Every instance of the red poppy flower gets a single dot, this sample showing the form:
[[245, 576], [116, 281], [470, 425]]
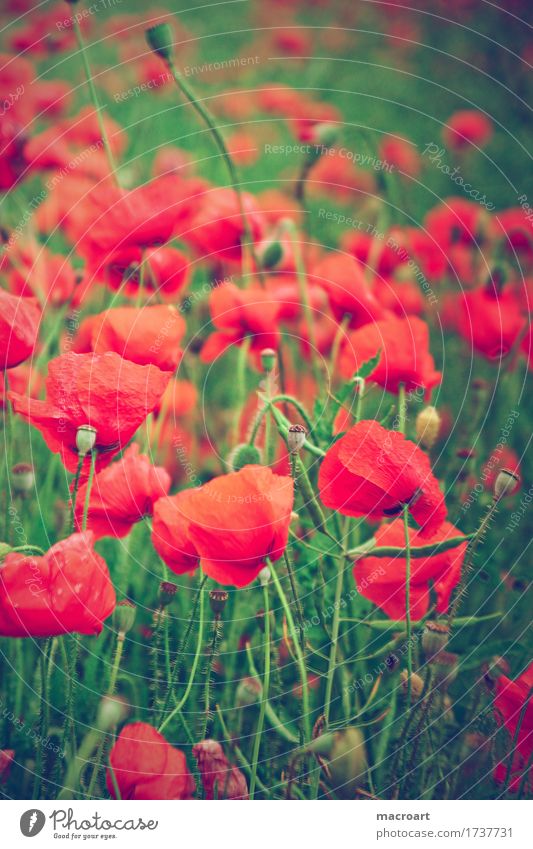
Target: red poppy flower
[[349, 292], [374, 472], [67, 590], [6, 760], [220, 779], [122, 494], [147, 767], [216, 230], [490, 321], [165, 271], [457, 220], [19, 328], [240, 313], [385, 258], [509, 702], [336, 176], [231, 524], [405, 356], [401, 154], [465, 128], [144, 335], [382, 579], [402, 298], [102, 390], [35, 271]]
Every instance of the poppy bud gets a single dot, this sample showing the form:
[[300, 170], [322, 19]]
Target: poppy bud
[[346, 758], [243, 455], [22, 477], [506, 483], [159, 39], [434, 638], [264, 576], [296, 438], [111, 711], [428, 424], [268, 359], [271, 255], [326, 134], [446, 668], [248, 692], [217, 600], [167, 591], [85, 439], [417, 684], [124, 616]]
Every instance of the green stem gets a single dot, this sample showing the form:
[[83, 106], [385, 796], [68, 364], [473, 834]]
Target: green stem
[[180, 705], [332, 664], [94, 97], [408, 601], [89, 487], [301, 277], [264, 694], [299, 655], [110, 691], [43, 716], [75, 493]]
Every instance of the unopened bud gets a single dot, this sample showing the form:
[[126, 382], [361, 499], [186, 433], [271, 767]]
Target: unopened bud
[[264, 576], [417, 684], [428, 424], [124, 616], [167, 591], [434, 638], [243, 455], [506, 483], [268, 359], [111, 711], [271, 255], [344, 752], [217, 600], [22, 477], [159, 39], [326, 134], [296, 438], [85, 439], [248, 692]]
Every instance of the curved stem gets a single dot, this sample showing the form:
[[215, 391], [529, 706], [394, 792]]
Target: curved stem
[[264, 695]]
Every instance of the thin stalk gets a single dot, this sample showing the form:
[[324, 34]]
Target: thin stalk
[[408, 601], [301, 277], [264, 694], [75, 494], [89, 487], [332, 664]]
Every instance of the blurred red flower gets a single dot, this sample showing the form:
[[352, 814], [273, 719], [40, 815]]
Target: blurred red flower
[[405, 355], [382, 579], [232, 524], [467, 127], [374, 472], [19, 328], [147, 767], [103, 390], [122, 494], [216, 229], [513, 704], [67, 590], [143, 335], [489, 320], [240, 313], [220, 779], [349, 292]]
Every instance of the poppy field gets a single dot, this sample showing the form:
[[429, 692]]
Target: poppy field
[[265, 342]]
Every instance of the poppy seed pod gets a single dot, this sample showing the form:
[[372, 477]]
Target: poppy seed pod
[[167, 591], [345, 753], [296, 438], [243, 455], [417, 684], [217, 600], [124, 616], [22, 477], [271, 255], [506, 483], [248, 692], [159, 39], [434, 638], [428, 424], [85, 439], [268, 359], [264, 576]]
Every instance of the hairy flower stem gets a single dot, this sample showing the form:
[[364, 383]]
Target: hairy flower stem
[[332, 664], [180, 705], [306, 718], [218, 138], [264, 694], [43, 716], [240, 386], [297, 603], [94, 452], [94, 98], [76, 484], [301, 277], [408, 602], [211, 655], [110, 691]]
